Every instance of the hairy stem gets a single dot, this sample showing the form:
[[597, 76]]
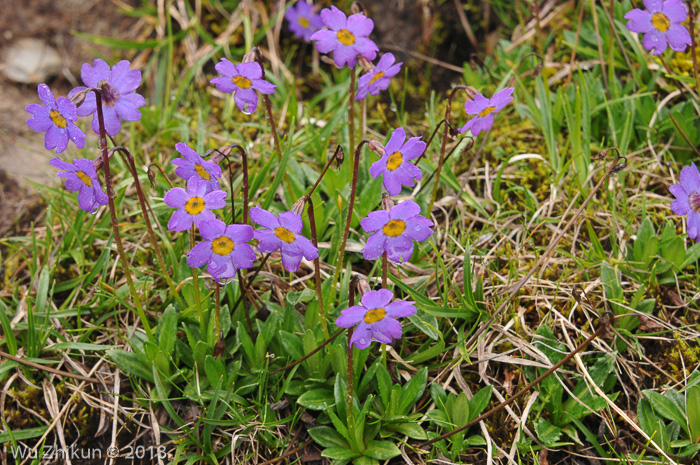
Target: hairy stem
[[195, 281], [317, 267]]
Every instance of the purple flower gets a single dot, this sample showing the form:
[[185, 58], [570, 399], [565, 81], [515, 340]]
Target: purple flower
[[394, 231], [660, 25], [242, 80], [82, 177], [376, 317], [193, 205], [378, 79], [484, 108], [56, 117], [394, 164], [195, 165], [345, 37], [224, 249], [119, 101], [687, 201], [283, 233], [302, 21]]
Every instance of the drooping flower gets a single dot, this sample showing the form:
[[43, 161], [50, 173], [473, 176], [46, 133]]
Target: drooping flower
[[193, 205], [378, 79], [661, 25], [484, 109], [224, 250], [395, 165], [345, 37], [302, 20], [283, 234], [119, 101], [242, 80], [56, 117], [394, 231], [81, 176], [375, 318], [687, 202], [194, 165]]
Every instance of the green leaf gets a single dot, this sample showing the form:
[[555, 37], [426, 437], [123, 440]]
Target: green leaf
[[23, 434], [546, 431], [214, 369], [412, 430], [646, 245], [317, 399], [167, 330], [479, 402], [692, 399], [131, 363], [412, 391], [667, 407], [381, 450], [327, 437], [339, 453]]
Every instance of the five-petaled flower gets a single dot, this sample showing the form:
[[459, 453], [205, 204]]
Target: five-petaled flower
[[193, 205], [194, 165], [56, 117], [283, 234], [394, 231], [395, 165], [375, 318], [119, 101], [81, 176], [661, 25], [302, 20], [687, 201], [484, 109], [345, 37], [378, 78], [242, 80], [224, 250]]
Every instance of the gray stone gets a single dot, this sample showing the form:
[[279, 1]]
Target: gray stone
[[31, 61]]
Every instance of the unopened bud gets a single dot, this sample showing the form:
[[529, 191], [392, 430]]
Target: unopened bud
[[469, 145], [355, 8], [151, 177], [365, 63], [328, 61], [471, 92], [78, 98], [252, 55], [363, 287], [387, 203], [219, 154], [339, 157], [298, 207], [376, 146]]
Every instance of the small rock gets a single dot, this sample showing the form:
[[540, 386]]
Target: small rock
[[31, 61]]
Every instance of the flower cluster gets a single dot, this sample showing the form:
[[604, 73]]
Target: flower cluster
[[57, 118]]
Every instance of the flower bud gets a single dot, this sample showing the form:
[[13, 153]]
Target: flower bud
[[365, 63], [219, 154], [298, 207], [376, 146], [387, 203], [151, 177], [252, 55], [339, 157], [471, 92], [363, 287], [78, 98]]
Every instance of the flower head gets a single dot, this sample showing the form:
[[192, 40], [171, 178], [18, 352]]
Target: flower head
[[224, 250], [119, 101], [687, 201], [242, 80], [395, 165], [283, 234], [345, 37], [394, 231], [378, 79], [194, 165], [375, 318], [56, 117], [193, 205], [484, 109], [660, 24], [81, 176], [302, 20]]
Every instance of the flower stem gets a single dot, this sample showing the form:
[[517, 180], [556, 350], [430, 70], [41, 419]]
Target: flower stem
[[691, 20], [217, 300], [113, 218], [338, 156], [346, 232], [351, 114], [268, 108], [385, 268], [317, 267], [350, 374], [195, 281], [145, 207]]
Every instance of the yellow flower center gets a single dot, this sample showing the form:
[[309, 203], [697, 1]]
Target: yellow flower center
[[304, 22], [394, 161], [345, 37], [202, 172], [84, 177], [377, 76], [285, 234], [374, 315], [194, 206], [486, 111], [242, 82], [222, 245], [660, 21], [57, 119], [394, 228]]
